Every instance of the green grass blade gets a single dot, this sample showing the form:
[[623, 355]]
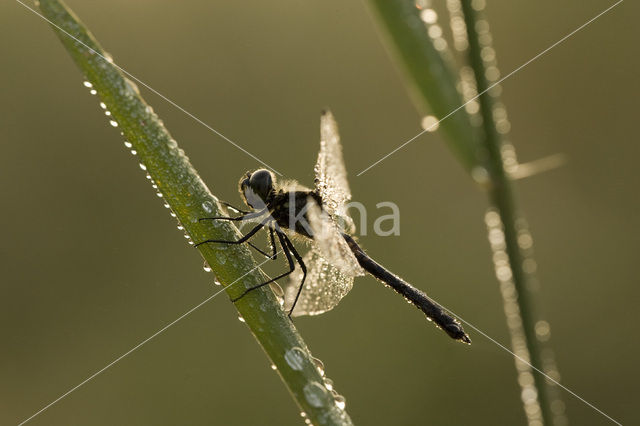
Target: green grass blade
[[190, 199], [522, 307], [429, 76]]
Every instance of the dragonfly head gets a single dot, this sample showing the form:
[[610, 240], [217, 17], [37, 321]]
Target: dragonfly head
[[257, 187]]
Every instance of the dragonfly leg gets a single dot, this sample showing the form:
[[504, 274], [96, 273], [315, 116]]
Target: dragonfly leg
[[247, 215], [290, 261], [274, 254], [224, 203], [302, 266], [244, 216], [240, 241]]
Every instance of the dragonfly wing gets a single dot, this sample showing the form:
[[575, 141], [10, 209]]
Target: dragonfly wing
[[330, 173], [329, 241], [323, 288]]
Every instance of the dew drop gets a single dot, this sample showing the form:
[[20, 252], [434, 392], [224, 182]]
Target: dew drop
[[142, 166], [319, 365], [180, 227], [295, 358], [148, 176], [240, 318], [273, 367], [159, 194], [206, 267], [114, 123], [278, 292], [128, 144], [328, 383], [480, 175], [103, 105], [93, 91], [315, 394], [134, 152], [87, 84], [429, 16], [107, 113], [341, 401], [430, 123], [166, 205], [207, 206], [172, 214]]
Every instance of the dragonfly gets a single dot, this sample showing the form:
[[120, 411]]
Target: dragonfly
[[326, 272]]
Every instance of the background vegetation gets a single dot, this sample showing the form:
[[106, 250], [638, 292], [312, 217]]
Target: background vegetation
[[91, 265]]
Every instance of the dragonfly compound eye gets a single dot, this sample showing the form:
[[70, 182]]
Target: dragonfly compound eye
[[257, 187], [261, 182]]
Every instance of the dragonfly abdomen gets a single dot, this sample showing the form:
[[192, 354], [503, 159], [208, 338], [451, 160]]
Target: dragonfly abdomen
[[418, 298]]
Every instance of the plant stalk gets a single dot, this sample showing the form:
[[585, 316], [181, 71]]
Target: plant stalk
[[502, 198], [189, 199], [429, 75]]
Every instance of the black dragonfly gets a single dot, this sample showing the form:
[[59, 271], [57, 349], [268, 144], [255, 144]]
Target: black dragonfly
[[326, 273]]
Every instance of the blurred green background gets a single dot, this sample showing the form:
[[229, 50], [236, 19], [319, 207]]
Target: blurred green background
[[92, 264]]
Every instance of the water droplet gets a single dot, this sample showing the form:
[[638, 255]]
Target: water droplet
[[206, 267], [173, 214], [278, 292], [480, 175], [341, 401], [429, 16], [273, 367], [103, 105], [207, 206], [142, 166], [543, 330], [295, 358], [303, 414], [87, 84], [315, 394], [114, 123], [134, 152], [180, 227], [319, 365], [166, 205], [216, 282], [430, 123], [435, 31], [328, 383], [128, 144], [159, 194], [93, 91], [107, 113], [154, 186], [240, 318], [148, 176]]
